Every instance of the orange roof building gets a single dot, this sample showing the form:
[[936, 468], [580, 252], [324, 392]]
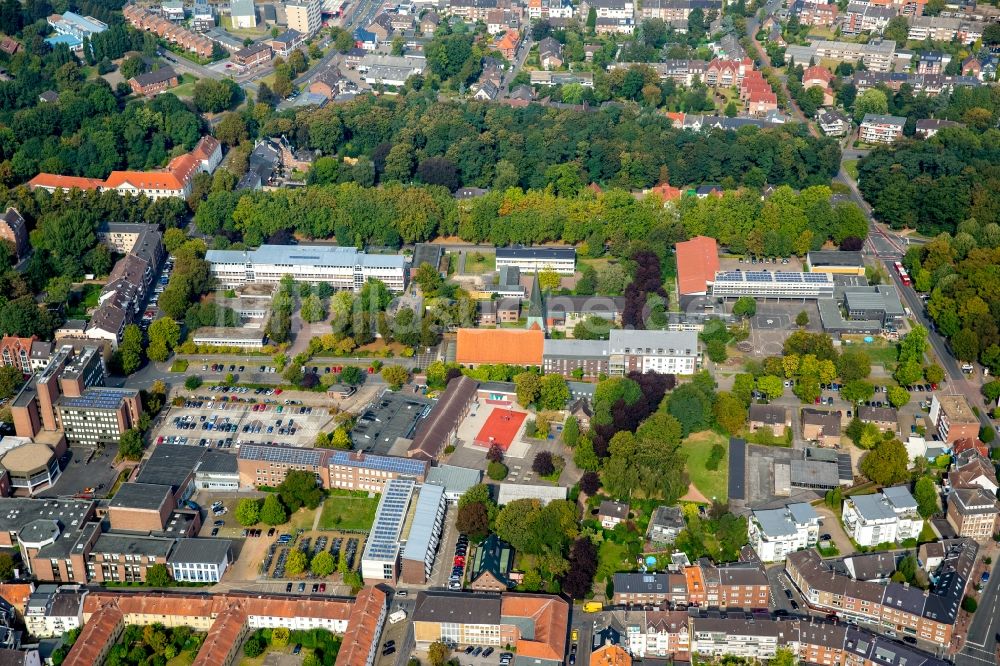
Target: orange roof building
[[697, 263], [364, 628], [507, 45], [174, 181], [499, 345], [665, 191], [610, 655]]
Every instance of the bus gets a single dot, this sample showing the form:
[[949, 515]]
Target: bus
[[904, 277]]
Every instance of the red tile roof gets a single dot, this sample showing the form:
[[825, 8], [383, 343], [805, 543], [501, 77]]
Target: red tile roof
[[500, 345], [551, 619], [363, 629], [53, 181], [102, 627], [666, 192], [697, 262]]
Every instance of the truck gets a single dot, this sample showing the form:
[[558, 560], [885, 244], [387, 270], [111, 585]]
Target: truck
[[397, 616], [593, 607]]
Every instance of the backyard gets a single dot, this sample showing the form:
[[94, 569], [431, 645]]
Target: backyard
[[344, 510], [712, 484], [82, 299]]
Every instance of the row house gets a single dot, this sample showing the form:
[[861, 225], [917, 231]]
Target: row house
[[144, 19], [940, 29], [928, 615], [824, 15], [726, 73], [550, 9], [643, 589], [676, 10], [820, 77], [475, 10], [681, 72], [739, 585], [607, 25], [933, 62], [757, 94], [863, 17]]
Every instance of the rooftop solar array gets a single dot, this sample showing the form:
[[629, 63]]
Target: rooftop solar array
[[282, 454], [768, 276], [98, 399], [383, 541], [380, 463]]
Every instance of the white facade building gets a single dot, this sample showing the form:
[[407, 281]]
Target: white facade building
[[768, 284], [887, 517], [200, 560], [380, 559], [244, 14], [304, 16], [877, 128], [664, 352], [774, 533], [344, 268], [562, 260]]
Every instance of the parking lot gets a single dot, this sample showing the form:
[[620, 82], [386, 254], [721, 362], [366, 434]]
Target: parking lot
[[338, 544], [152, 310], [227, 418], [85, 469]]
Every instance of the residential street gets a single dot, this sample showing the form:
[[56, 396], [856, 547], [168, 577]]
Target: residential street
[[981, 639]]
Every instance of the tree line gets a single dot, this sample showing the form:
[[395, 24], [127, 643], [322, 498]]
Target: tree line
[[933, 185]]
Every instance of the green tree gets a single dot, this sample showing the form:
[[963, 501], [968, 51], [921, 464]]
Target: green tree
[[553, 392], [395, 376], [886, 464], [273, 512], [783, 657], [857, 391], [571, 431], [164, 334], [898, 396], [926, 494], [745, 307], [934, 373], [853, 364], [299, 488], [248, 511], [802, 319], [771, 386], [969, 604], [132, 66], [548, 279], [897, 29], [11, 380], [528, 386], [158, 576], [438, 653], [873, 101], [729, 412], [743, 386], [192, 382], [130, 349], [296, 563], [312, 309], [323, 564], [130, 446]]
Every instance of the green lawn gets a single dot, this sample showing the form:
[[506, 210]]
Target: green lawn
[[186, 86], [83, 299], [851, 167], [711, 483], [477, 263], [611, 558], [348, 512]]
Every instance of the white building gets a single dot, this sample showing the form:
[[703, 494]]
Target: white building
[[344, 268], [774, 533], [877, 128], [768, 284], [380, 559], [51, 610], [515, 491], [304, 16], [664, 352], [618, 9], [562, 260], [244, 14], [200, 560], [887, 517], [228, 336], [390, 70]]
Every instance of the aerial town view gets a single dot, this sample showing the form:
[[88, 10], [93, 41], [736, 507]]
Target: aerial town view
[[499, 332]]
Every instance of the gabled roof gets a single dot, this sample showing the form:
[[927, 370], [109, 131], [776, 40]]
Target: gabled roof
[[502, 345], [697, 263]]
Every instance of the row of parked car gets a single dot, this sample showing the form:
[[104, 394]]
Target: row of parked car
[[458, 564]]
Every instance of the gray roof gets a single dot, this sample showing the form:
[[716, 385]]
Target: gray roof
[[640, 583], [681, 343], [457, 607], [835, 258], [421, 536], [814, 473], [214, 461], [880, 119], [872, 507], [16, 512], [140, 496], [576, 348], [900, 498], [169, 465], [202, 551], [877, 414], [126, 544], [454, 479], [518, 252], [159, 76], [768, 414], [305, 255]]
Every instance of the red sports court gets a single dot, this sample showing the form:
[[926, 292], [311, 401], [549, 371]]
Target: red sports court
[[500, 427]]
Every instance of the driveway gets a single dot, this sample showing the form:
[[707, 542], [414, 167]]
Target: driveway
[[831, 525]]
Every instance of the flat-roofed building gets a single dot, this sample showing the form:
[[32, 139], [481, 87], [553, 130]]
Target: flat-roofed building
[[768, 284], [831, 261], [423, 535], [774, 533], [886, 517], [665, 352], [953, 417], [380, 559], [200, 560], [343, 268], [230, 336], [879, 128], [562, 260]]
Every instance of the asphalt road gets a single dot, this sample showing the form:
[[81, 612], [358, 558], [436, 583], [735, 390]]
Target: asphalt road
[[889, 248], [981, 639]]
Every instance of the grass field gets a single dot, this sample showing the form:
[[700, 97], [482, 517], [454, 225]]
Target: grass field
[[186, 86], [851, 167], [83, 300], [348, 512], [611, 558], [711, 483], [477, 263]]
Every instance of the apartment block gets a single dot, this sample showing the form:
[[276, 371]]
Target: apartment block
[[304, 16], [886, 517], [973, 513], [774, 533], [953, 417], [877, 128]]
